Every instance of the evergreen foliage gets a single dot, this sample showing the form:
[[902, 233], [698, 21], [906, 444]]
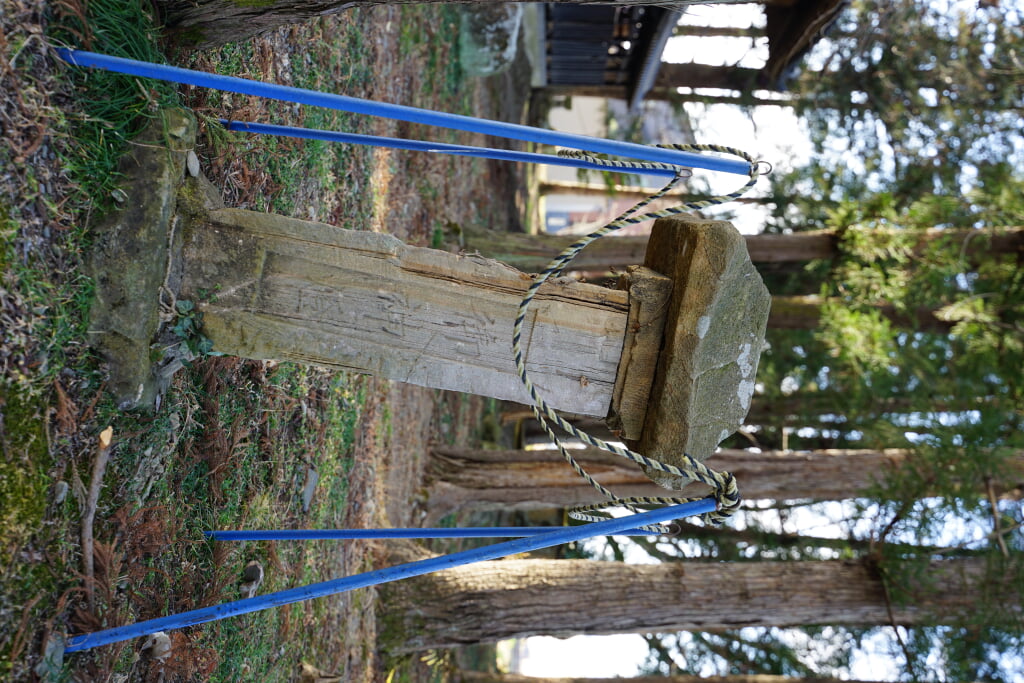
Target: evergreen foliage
[[918, 95]]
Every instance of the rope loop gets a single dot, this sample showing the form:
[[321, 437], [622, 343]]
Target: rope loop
[[723, 484]]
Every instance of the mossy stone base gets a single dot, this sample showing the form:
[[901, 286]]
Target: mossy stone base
[[129, 260]]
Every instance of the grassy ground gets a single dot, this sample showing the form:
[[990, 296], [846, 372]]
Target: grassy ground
[[233, 443]]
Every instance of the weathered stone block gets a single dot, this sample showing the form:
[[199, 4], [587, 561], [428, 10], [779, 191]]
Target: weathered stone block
[[129, 259], [714, 334]]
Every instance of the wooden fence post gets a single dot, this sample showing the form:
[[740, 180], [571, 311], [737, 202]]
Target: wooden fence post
[[669, 360], [290, 289]]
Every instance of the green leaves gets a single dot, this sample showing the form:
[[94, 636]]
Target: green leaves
[[923, 92], [861, 340], [188, 325]]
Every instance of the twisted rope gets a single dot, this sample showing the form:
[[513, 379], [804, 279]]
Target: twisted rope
[[723, 484]]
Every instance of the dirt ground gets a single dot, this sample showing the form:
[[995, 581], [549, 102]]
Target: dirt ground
[[396, 423]]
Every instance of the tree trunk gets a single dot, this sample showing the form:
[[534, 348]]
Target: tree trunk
[[811, 408], [804, 313], [462, 478], [611, 92], [694, 75], [485, 677], [818, 410], [203, 24], [532, 253], [690, 31], [746, 99], [689, 76], [491, 601], [627, 192]]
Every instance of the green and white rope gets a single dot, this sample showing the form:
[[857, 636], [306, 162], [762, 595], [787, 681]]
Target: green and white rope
[[723, 484]]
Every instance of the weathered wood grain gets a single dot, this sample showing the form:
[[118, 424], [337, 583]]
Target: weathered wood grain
[[295, 290], [649, 294]]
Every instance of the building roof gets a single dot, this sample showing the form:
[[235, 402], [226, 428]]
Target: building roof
[[651, 60], [618, 48], [793, 29]]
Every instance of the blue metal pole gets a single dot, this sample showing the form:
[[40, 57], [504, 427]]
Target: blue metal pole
[[436, 147], [347, 534], [492, 552], [399, 112]]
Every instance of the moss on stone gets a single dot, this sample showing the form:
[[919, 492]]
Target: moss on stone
[[23, 467], [187, 37], [130, 253]]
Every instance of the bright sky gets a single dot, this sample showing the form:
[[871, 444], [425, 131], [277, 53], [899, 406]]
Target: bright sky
[[583, 656], [771, 133]]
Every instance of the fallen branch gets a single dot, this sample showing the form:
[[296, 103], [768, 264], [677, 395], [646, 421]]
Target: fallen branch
[[89, 513], [997, 530], [311, 674]]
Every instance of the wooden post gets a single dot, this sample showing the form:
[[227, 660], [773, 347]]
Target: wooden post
[[532, 253], [295, 290], [715, 324], [669, 361]]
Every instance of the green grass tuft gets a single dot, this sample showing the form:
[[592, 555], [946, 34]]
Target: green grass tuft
[[113, 107]]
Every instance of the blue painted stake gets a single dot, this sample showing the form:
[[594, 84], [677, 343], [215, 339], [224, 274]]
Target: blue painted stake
[[347, 534], [436, 147], [492, 552], [399, 112]]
